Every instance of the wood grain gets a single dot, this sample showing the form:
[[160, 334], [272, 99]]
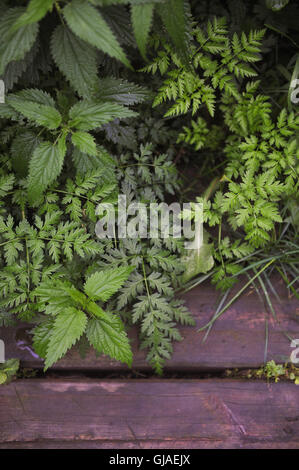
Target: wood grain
[[236, 340], [43, 413]]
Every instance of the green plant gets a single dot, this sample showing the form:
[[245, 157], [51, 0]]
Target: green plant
[[48, 155], [276, 371], [217, 62], [8, 370], [260, 147], [66, 114], [71, 313], [84, 28], [148, 295], [77, 129]]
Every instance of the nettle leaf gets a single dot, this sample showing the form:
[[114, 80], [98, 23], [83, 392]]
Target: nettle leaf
[[76, 59], [110, 339], [121, 91], [87, 22], [102, 285], [41, 337], [15, 44], [142, 17], [61, 142], [84, 142], [36, 96], [85, 163], [45, 166], [119, 21], [15, 69], [35, 11], [55, 294], [68, 327], [7, 112], [22, 148], [86, 115], [173, 16], [43, 115]]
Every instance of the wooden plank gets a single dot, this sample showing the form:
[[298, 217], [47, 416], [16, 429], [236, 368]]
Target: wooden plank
[[141, 413], [113, 445], [236, 340]]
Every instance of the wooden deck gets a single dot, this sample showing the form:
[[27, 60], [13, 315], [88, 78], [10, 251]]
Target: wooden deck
[[146, 413], [236, 340], [60, 411]]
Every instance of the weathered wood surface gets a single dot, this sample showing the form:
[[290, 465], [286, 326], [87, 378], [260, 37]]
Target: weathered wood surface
[[115, 445], [39, 413], [236, 340]]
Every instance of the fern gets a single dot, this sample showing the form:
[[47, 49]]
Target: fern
[[218, 63], [149, 291], [261, 173], [261, 154], [29, 249]]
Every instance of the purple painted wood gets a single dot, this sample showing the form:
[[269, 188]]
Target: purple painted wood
[[218, 413]]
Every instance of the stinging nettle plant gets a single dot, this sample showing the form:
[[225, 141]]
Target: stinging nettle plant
[[65, 113], [72, 313]]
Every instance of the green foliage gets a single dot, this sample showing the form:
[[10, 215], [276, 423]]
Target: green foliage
[[261, 173], [260, 149], [45, 166], [173, 15], [73, 134], [142, 16], [48, 157], [87, 22], [35, 11], [102, 285], [56, 169], [8, 371], [271, 370], [147, 296], [71, 313], [32, 251], [196, 135], [76, 60], [217, 63], [15, 44], [85, 28]]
